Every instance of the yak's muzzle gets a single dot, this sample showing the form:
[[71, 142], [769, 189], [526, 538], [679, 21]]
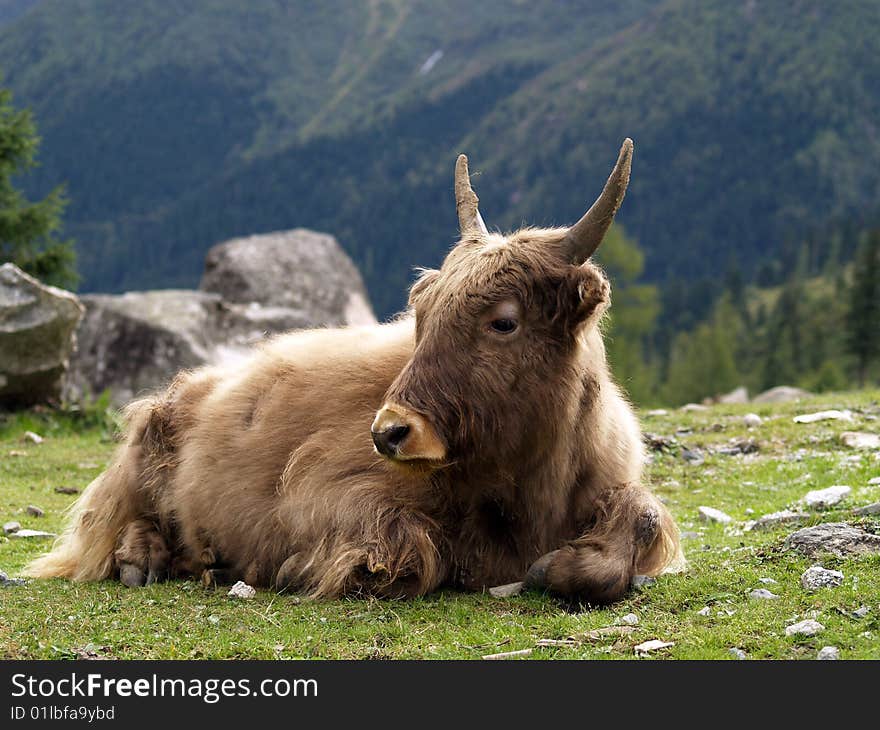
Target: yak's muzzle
[[400, 434]]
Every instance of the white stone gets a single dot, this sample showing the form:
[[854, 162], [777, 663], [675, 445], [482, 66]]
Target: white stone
[[751, 420], [828, 653], [629, 619], [32, 534], [242, 590], [816, 577], [657, 412], [693, 408], [737, 653], [704, 611], [875, 482], [860, 440], [762, 594], [767, 581], [34, 438], [710, 514], [832, 415], [507, 590], [777, 518], [647, 647], [826, 497], [807, 627]]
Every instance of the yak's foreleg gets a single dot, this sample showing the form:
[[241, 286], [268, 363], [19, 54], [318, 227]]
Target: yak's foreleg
[[632, 534], [141, 556]]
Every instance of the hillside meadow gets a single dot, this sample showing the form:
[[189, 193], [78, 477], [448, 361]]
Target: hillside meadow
[[703, 613]]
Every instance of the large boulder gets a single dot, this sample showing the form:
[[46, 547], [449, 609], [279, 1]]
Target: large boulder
[[298, 269], [132, 343], [781, 394], [37, 326]]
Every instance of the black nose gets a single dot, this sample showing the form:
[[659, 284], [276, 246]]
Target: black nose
[[388, 441]]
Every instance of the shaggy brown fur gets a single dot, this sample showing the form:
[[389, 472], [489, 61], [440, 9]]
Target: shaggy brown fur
[[265, 471]]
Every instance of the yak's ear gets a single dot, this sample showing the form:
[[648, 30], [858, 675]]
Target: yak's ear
[[426, 276], [586, 295]]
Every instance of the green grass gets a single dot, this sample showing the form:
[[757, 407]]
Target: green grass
[[182, 620]]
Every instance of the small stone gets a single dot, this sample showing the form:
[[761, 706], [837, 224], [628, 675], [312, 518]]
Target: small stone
[[692, 456], [828, 653], [820, 498], [874, 482], [7, 582], [737, 653], [66, 490], [767, 581], [642, 581], [808, 627], [34, 511], [657, 412], [762, 594], [647, 647], [34, 438], [629, 619], [778, 518], [868, 509], [690, 535], [752, 420], [212, 619], [507, 591], [704, 611], [10, 527], [832, 415], [25, 534], [710, 514], [693, 408], [242, 590], [816, 577], [836, 538], [860, 440], [749, 511], [861, 611]]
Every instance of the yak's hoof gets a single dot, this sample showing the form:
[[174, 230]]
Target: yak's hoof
[[131, 576], [288, 576], [536, 577], [213, 577], [156, 576]]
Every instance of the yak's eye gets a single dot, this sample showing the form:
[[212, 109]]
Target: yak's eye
[[503, 326]]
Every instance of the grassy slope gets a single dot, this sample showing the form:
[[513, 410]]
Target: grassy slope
[[55, 619]]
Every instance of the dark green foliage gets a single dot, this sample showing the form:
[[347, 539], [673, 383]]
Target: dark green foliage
[[28, 231], [863, 318]]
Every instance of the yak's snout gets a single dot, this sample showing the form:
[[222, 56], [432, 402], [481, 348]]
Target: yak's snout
[[403, 435]]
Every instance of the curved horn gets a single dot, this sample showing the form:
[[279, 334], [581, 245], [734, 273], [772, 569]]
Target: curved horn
[[466, 200], [585, 236]]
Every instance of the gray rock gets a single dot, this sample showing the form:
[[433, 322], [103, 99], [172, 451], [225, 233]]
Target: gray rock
[[629, 619], [860, 440], [868, 509], [775, 519], [861, 611], [737, 653], [693, 408], [816, 577], [808, 627], [32, 437], [752, 420], [692, 456], [781, 394], [507, 591], [739, 395], [710, 514], [836, 538], [134, 342], [34, 511], [10, 527], [768, 581], [7, 582], [299, 269], [642, 581], [874, 482], [242, 590], [828, 653], [821, 498], [762, 594], [37, 325]]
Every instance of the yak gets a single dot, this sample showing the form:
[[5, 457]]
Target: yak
[[477, 439]]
